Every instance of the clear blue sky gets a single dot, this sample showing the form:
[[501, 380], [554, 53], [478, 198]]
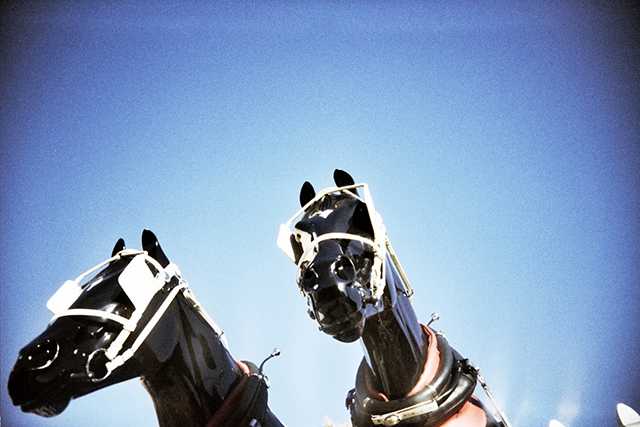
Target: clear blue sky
[[501, 142]]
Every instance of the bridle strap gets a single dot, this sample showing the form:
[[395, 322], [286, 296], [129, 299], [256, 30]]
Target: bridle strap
[[336, 236], [120, 359], [126, 323], [122, 253], [129, 324], [378, 269]]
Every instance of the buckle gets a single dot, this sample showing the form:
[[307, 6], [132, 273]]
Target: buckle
[[396, 417]]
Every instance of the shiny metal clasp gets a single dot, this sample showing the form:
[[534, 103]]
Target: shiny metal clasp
[[396, 417]]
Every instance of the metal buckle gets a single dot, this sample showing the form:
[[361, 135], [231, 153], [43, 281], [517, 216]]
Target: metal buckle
[[393, 418]]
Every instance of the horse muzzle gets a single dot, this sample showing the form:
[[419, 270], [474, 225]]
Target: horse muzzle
[[338, 313], [35, 392], [32, 382]]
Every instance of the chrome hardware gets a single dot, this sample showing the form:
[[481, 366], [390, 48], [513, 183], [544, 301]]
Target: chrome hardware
[[435, 316], [396, 417]]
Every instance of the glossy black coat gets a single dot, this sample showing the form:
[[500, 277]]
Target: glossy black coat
[[183, 364], [391, 335]]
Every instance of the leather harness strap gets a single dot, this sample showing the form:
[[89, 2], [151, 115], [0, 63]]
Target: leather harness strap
[[436, 398], [246, 402]]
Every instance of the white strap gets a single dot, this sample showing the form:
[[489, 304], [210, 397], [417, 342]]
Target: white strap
[[119, 341], [190, 296], [286, 229], [124, 252], [336, 236], [378, 277], [117, 344], [127, 324], [122, 358], [323, 193]]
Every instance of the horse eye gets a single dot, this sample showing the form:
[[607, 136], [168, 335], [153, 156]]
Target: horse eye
[[308, 279], [343, 268]]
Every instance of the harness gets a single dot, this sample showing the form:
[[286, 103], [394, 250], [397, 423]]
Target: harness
[[246, 404], [140, 285], [450, 390], [302, 247], [433, 403]]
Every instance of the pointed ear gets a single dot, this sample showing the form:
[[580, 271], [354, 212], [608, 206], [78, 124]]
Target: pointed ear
[[118, 246], [151, 245], [342, 178], [307, 193]]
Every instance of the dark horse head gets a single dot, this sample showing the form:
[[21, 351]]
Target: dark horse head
[[356, 289], [65, 361], [133, 315], [71, 357], [339, 244]]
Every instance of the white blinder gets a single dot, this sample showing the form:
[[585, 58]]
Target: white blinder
[[64, 297], [137, 281]]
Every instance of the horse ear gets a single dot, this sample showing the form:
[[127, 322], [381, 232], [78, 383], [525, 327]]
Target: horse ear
[[118, 246], [307, 193], [151, 245], [342, 178]]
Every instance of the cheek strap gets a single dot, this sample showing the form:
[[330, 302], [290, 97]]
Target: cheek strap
[[113, 353], [116, 360]]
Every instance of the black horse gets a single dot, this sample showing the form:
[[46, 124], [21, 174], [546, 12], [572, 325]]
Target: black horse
[[356, 289], [135, 316]]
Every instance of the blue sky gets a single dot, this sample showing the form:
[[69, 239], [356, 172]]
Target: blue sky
[[500, 141]]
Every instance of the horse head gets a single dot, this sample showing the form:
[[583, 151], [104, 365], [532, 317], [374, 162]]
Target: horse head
[[106, 327], [339, 244]]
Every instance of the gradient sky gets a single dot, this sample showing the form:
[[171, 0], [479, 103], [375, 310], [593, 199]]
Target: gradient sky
[[501, 142]]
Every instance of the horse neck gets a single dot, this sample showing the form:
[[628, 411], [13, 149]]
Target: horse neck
[[393, 341], [191, 384]]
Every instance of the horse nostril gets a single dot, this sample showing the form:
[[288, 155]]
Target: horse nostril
[[40, 355], [344, 269]]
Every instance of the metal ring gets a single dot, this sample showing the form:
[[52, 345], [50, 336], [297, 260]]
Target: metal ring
[[90, 374]]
